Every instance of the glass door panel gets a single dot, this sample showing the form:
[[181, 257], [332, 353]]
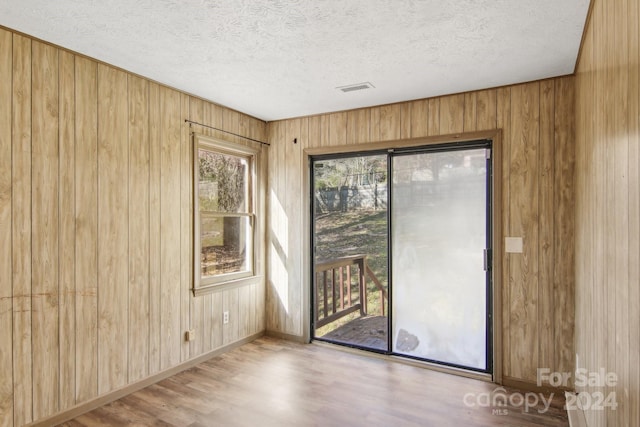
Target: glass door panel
[[439, 234], [350, 283]]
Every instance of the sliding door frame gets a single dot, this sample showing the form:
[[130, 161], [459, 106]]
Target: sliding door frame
[[497, 228]]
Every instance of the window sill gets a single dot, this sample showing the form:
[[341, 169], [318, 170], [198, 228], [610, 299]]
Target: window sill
[[231, 284]]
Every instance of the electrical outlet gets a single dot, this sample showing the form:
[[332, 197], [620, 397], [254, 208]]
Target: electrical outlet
[[225, 317], [190, 335]]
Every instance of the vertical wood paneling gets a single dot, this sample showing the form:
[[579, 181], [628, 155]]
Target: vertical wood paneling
[[546, 247], [245, 306], [374, 127], [620, 284], [113, 228], [452, 113], [503, 120], [583, 246], [261, 312], [634, 208], [244, 128], [607, 213], [21, 231], [337, 128], [261, 133], [186, 240], [44, 208], [603, 197], [405, 120], [293, 211], [357, 126], [6, 304], [95, 202], [390, 122], [216, 320], [599, 199], [277, 292], [314, 133], [593, 208], [470, 111], [67, 227], [138, 96], [155, 275], [597, 183], [86, 208], [281, 223], [420, 118], [272, 247], [434, 117], [208, 323], [486, 105], [564, 225], [230, 303], [523, 268], [283, 238], [254, 309], [196, 113], [216, 117], [231, 121], [610, 74], [170, 303]]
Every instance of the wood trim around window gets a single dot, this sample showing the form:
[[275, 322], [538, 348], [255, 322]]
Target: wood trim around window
[[229, 280]]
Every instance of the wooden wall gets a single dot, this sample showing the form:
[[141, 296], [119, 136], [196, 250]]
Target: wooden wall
[[608, 207], [538, 152], [95, 226]]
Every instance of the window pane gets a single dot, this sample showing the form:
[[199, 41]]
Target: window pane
[[439, 207], [350, 229], [225, 245], [222, 182]]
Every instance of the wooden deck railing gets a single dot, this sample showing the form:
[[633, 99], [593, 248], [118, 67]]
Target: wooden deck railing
[[341, 288]]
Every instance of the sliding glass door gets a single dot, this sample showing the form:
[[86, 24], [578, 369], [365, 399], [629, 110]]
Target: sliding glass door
[[401, 245]]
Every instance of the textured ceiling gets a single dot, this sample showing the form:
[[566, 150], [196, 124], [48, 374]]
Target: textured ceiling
[[276, 59]]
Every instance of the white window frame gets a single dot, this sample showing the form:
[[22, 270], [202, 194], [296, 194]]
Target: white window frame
[[202, 142]]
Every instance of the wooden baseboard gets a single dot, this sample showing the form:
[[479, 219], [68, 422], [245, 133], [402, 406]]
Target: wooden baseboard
[[531, 386], [287, 337], [99, 401]]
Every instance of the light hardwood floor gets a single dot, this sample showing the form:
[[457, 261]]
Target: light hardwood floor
[[271, 382]]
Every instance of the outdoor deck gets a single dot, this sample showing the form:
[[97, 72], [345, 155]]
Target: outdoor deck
[[368, 331]]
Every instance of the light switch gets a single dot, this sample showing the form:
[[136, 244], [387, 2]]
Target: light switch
[[513, 245]]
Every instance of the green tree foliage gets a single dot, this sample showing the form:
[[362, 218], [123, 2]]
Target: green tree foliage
[[352, 171]]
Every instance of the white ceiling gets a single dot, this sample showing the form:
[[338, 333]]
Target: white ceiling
[[276, 59]]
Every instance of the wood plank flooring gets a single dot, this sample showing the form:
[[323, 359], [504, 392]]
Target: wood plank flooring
[[271, 382]]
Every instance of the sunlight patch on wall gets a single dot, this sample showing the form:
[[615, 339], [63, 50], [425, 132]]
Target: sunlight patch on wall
[[278, 249]]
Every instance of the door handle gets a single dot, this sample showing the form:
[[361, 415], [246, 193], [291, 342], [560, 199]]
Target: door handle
[[487, 259]]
